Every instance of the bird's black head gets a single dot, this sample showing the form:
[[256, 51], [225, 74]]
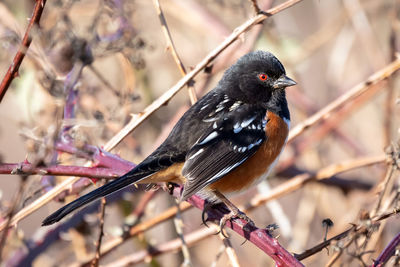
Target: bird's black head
[[257, 77]]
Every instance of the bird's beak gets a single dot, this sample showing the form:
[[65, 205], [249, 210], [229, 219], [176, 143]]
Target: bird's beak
[[283, 81]]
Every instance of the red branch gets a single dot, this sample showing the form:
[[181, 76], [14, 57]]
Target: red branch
[[387, 252], [92, 172], [99, 156], [12, 71]]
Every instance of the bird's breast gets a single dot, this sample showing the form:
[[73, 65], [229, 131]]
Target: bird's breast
[[258, 166]]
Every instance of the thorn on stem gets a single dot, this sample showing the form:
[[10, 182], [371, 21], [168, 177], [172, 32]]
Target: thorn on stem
[[271, 227], [208, 68]]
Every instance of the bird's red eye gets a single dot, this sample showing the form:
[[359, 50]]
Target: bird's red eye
[[262, 77]]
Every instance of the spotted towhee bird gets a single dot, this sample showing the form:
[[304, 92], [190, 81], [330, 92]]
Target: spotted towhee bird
[[229, 140]]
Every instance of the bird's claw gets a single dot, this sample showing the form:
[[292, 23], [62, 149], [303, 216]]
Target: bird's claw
[[233, 215], [203, 216]]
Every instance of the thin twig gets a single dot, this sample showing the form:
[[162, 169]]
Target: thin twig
[[389, 101], [337, 255], [12, 71], [385, 199], [218, 256], [178, 222], [95, 261], [171, 47], [103, 80], [230, 252], [71, 96], [138, 212], [363, 28], [385, 189]]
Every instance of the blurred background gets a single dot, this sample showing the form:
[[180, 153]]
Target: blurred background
[[326, 46]]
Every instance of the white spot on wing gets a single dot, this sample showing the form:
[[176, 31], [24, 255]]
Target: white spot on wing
[[246, 123], [210, 137], [264, 123], [254, 144], [235, 105], [237, 128], [196, 154], [226, 99], [211, 119], [203, 107], [220, 107]]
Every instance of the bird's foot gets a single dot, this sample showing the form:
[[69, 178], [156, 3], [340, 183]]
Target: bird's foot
[[234, 214]]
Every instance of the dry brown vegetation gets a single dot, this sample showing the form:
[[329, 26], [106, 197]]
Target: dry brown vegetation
[[109, 75]]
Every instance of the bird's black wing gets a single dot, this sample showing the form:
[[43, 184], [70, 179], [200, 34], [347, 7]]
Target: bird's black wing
[[230, 140]]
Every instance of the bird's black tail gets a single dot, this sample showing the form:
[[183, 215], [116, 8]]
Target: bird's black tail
[[106, 189]]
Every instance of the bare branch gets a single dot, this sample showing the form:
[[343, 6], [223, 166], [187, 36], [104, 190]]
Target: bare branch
[[171, 47], [27, 168], [12, 71], [95, 261]]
